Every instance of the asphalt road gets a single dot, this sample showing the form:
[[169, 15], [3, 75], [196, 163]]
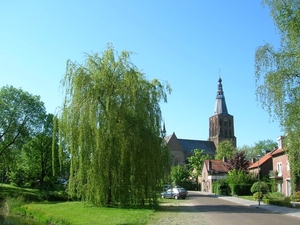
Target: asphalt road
[[210, 210]]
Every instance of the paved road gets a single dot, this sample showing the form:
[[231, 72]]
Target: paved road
[[211, 210]]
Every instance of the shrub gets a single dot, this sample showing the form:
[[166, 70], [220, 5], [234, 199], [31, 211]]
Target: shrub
[[296, 196], [256, 194], [274, 195], [263, 187]]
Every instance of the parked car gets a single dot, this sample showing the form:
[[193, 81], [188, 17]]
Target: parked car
[[184, 190], [175, 193], [167, 187]]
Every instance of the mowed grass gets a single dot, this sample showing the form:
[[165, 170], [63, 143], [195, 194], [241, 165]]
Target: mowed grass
[[80, 213], [75, 212], [247, 197], [7, 190]]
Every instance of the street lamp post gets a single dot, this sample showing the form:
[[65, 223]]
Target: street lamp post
[[258, 183]]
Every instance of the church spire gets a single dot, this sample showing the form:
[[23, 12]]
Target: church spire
[[163, 130], [220, 105]]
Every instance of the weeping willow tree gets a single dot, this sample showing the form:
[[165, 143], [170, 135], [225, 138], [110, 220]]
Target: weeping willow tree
[[110, 124], [278, 77]]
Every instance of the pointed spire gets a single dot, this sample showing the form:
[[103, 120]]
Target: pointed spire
[[163, 130], [220, 105]]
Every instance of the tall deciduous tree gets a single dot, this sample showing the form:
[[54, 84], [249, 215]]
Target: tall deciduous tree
[[225, 149], [35, 161], [110, 123], [196, 162], [259, 148], [238, 162], [277, 72], [21, 118], [179, 174]]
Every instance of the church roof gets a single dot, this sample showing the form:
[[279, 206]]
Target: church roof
[[220, 105], [189, 145]]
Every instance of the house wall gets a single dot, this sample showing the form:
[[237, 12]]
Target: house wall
[[283, 178], [266, 167]]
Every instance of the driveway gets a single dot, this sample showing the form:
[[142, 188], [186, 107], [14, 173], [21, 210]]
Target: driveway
[[210, 210]]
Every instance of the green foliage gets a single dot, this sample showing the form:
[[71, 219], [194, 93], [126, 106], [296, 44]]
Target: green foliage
[[257, 195], [278, 80], [277, 198], [258, 148], [225, 149], [21, 118], [81, 213], [179, 174], [34, 165], [196, 163], [274, 195], [285, 202], [296, 196], [110, 125], [260, 186], [239, 182], [220, 187]]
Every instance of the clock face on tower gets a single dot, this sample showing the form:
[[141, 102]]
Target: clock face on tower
[[225, 119]]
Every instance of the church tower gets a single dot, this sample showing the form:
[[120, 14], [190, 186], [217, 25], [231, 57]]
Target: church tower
[[221, 124]]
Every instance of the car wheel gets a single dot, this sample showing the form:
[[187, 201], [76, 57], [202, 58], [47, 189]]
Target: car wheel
[[176, 197]]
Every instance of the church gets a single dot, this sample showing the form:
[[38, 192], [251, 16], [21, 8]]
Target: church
[[221, 127]]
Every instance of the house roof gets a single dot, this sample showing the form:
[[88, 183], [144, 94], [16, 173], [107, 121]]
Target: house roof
[[216, 165], [261, 161], [277, 152], [189, 145]]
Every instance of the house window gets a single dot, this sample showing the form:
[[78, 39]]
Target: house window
[[287, 165], [279, 169], [279, 186]]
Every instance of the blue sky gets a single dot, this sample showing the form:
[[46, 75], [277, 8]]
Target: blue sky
[[183, 42]]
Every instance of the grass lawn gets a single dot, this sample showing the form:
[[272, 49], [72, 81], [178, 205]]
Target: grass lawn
[[247, 197], [80, 213], [7, 190]]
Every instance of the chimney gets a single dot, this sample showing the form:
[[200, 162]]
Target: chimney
[[209, 166], [280, 142]]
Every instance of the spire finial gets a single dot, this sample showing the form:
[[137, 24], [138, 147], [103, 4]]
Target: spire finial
[[219, 73]]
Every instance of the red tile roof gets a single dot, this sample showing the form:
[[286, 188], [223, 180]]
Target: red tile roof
[[277, 152], [261, 161], [217, 165]]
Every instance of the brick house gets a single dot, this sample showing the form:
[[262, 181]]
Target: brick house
[[276, 165], [281, 169], [264, 165], [212, 171]]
